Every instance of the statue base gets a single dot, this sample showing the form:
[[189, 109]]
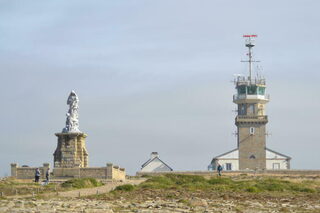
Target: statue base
[[71, 150]]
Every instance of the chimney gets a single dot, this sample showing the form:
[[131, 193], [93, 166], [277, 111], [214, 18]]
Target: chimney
[[154, 155]]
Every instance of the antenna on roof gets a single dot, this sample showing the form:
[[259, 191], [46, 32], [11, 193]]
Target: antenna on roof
[[250, 43]]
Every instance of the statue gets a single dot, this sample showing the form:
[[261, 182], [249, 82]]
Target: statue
[[72, 121]]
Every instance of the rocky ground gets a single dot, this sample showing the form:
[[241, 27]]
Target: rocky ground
[[158, 205], [177, 194]]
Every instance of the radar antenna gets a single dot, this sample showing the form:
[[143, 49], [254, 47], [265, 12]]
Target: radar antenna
[[250, 44]]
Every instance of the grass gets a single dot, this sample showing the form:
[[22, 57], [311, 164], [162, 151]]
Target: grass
[[79, 183], [11, 186], [125, 188], [225, 184]]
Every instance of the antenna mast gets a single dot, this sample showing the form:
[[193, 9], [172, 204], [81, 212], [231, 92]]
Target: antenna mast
[[250, 44]]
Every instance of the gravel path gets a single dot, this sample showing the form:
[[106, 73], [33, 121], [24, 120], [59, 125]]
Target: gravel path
[[98, 190]]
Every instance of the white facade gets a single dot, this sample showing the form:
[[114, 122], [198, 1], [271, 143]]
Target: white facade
[[230, 160], [276, 160], [154, 164]]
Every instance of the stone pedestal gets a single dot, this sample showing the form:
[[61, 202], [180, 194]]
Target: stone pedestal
[[71, 150]]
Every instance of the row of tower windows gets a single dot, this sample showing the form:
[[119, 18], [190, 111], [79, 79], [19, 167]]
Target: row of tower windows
[[251, 90], [246, 109], [250, 109]]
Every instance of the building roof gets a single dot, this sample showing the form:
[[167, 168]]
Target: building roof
[[278, 153], [225, 153], [150, 160], [237, 149]]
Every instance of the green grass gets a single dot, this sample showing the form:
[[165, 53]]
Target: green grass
[[12, 186], [79, 183], [126, 188], [223, 184]]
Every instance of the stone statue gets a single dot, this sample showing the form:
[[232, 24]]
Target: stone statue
[[72, 121]]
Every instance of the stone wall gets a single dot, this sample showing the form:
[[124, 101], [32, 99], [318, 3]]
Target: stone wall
[[252, 153], [71, 150], [109, 172], [27, 172]]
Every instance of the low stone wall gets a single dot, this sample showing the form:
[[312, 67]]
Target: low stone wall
[[231, 173], [109, 172], [118, 173], [28, 172]]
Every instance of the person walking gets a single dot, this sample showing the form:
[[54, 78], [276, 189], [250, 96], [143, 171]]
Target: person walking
[[47, 175], [219, 169], [37, 175]]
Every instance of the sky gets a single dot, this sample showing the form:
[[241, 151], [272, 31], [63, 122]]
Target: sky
[[155, 76]]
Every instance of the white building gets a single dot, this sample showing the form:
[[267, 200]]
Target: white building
[[230, 160], [154, 164]]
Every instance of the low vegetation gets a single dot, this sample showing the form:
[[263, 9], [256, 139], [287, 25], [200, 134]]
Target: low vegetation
[[242, 187], [223, 184], [125, 188], [11, 186], [79, 183]]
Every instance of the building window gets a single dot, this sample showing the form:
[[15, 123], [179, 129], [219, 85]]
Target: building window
[[251, 130], [252, 157], [276, 166], [242, 109], [228, 166], [251, 110]]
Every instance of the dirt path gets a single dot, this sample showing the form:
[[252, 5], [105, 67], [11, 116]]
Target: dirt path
[[85, 192], [98, 190]]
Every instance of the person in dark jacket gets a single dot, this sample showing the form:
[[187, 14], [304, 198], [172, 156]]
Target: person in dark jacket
[[37, 175], [219, 169], [47, 175]]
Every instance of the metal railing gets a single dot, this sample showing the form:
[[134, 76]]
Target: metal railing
[[245, 96], [262, 117]]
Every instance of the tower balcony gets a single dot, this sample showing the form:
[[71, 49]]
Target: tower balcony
[[245, 98], [251, 119]]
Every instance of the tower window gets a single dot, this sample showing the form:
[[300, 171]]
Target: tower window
[[251, 130], [242, 109], [251, 109], [252, 90]]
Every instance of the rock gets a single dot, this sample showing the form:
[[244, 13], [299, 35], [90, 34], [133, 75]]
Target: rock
[[198, 202]]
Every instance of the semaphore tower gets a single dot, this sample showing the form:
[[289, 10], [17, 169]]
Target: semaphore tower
[[251, 99], [251, 120]]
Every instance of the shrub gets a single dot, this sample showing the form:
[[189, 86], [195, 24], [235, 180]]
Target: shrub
[[226, 181], [79, 183], [125, 188], [252, 189]]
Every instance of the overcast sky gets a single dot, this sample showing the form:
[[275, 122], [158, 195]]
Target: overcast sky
[[155, 76]]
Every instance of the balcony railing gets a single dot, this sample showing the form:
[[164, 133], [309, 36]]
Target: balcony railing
[[241, 80], [253, 117], [252, 97]]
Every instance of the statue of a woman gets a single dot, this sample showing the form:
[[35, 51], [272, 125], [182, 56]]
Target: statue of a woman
[[72, 122]]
